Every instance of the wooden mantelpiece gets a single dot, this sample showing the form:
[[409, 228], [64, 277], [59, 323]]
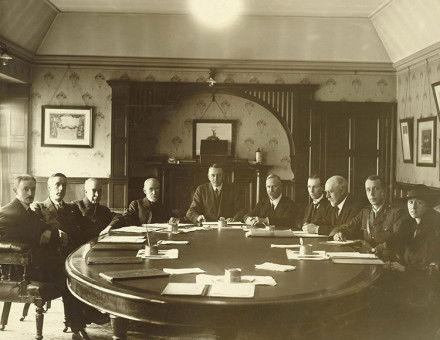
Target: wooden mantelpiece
[[289, 103]]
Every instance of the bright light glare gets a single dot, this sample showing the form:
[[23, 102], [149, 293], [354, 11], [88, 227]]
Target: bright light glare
[[215, 13]]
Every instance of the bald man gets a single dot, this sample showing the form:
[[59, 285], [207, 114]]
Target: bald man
[[144, 210], [343, 207], [97, 216]]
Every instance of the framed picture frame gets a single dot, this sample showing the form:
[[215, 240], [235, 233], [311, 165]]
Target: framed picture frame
[[407, 139], [426, 141], [214, 128], [67, 126], [436, 91]]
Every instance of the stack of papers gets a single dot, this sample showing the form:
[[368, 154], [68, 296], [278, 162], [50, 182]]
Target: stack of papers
[[284, 246], [268, 233], [351, 254], [129, 229], [275, 267], [232, 290], [168, 254], [179, 288], [358, 261], [252, 279], [298, 233], [164, 242], [316, 255], [121, 239], [178, 271], [190, 229], [348, 242]]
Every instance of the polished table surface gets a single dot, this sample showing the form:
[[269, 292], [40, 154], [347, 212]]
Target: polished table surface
[[312, 286]]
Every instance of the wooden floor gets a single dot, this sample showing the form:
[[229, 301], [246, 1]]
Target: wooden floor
[[368, 327]]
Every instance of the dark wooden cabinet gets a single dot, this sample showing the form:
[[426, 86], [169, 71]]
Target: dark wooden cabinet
[[179, 182]]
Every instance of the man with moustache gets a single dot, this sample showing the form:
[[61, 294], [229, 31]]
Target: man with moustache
[[276, 209], [380, 225], [145, 210], [97, 216], [317, 210], [214, 200]]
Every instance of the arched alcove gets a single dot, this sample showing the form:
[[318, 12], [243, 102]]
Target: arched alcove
[[289, 104]]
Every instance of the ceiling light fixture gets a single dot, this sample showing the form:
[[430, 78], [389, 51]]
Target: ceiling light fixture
[[5, 58], [216, 13]]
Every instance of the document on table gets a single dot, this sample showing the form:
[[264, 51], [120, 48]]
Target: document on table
[[252, 279], [358, 261], [268, 233], [178, 271], [190, 229], [275, 267], [350, 254], [180, 288], [232, 290], [284, 246], [300, 233], [168, 254], [348, 242], [164, 242], [121, 239], [129, 229], [316, 255]]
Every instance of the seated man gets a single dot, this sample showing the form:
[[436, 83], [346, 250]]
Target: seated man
[[214, 200], [18, 223], [380, 225], [344, 207], [144, 210], [66, 219], [96, 215], [276, 209], [317, 210]]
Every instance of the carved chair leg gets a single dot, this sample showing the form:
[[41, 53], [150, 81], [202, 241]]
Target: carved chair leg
[[39, 318], [25, 311], [5, 315], [66, 316]]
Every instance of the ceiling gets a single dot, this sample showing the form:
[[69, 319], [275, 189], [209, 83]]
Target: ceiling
[[327, 8]]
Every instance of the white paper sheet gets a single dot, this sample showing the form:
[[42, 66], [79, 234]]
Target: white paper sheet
[[121, 239], [284, 246], [358, 261], [252, 279], [341, 242], [351, 254], [232, 290], [179, 288], [299, 233], [164, 242], [130, 229], [275, 267], [316, 255], [179, 271], [168, 254]]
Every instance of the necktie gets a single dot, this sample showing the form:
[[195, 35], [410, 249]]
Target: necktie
[[272, 209]]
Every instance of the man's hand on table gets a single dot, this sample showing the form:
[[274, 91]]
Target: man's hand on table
[[310, 228]]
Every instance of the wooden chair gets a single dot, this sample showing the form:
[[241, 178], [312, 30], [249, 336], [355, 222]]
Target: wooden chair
[[15, 286]]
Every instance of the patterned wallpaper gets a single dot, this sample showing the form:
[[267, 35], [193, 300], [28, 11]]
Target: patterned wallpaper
[[257, 128], [415, 99]]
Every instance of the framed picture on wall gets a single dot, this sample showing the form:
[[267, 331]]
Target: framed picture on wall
[[406, 134], [213, 129], [426, 141], [436, 91], [67, 126]]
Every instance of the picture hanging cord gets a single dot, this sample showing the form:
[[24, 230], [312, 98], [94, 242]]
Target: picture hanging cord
[[61, 81], [428, 93]]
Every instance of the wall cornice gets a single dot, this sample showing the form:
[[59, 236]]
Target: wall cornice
[[430, 53], [206, 64]]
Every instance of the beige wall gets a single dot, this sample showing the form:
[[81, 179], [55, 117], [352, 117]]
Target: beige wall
[[415, 99], [87, 86]]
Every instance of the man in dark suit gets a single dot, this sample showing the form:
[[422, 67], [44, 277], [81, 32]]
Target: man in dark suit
[[383, 227], [144, 210], [67, 219], [97, 216], [214, 200], [317, 210], [18, 223], [276, 209], [344, 207]]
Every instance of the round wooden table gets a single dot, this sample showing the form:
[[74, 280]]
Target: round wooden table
[[315, 292]]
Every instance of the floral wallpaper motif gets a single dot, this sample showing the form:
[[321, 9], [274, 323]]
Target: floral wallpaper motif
[[171, 131], [415, 100]]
